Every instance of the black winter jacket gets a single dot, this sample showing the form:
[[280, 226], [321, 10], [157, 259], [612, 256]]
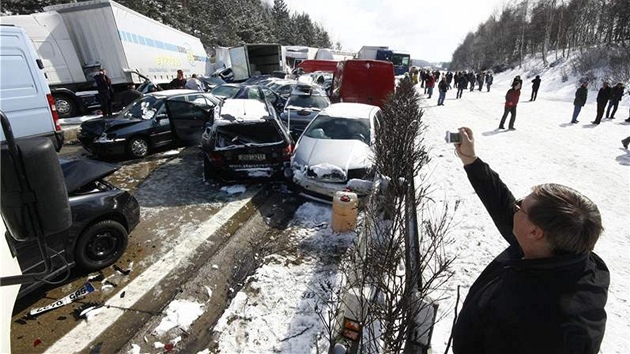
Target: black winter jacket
[[604, 94], [580, 96], [548, 305], [616, 94]]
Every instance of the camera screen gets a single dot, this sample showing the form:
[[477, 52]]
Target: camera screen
[[454, 138]]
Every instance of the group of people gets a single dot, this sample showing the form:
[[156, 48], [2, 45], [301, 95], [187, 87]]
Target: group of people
[[605, 96], [192, 83]]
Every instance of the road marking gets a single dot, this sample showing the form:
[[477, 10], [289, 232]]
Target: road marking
[[83, 334]]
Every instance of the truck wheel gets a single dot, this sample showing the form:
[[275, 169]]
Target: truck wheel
[[138, 147], [66, 106], [101, 245]]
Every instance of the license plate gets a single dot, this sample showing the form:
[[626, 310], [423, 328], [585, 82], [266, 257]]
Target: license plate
[[252, 157]]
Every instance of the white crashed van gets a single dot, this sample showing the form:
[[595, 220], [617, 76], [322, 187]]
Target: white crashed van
[[24, 93]]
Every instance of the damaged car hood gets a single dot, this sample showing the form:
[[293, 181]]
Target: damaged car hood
[[344, 154], [78, 173]]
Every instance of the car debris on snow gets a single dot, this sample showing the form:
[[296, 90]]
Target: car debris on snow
[[79, 293], [209, 291]]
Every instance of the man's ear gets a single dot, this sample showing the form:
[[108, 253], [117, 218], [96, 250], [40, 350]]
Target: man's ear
[[536, 234]]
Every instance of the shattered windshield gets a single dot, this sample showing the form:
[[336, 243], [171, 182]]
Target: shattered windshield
[[327, 127], [145, 108]]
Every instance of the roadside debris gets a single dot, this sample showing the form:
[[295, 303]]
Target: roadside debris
[[81, 292]]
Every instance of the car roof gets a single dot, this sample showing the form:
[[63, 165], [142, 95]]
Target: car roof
[[349, 110], [307, 89], [242, 109], [167, 93]]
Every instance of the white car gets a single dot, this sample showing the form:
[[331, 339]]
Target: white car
[[335, 151]]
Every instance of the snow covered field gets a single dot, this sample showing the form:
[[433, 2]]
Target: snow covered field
[[279, 317]]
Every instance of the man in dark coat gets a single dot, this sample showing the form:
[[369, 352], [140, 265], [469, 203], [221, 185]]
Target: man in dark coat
[[179, 82], [442, 87], [602, 98], [579, 101], [462, 82], [489, 80], [535, 87], [547, 291], [511, 100], [615, 96], [105, 92]]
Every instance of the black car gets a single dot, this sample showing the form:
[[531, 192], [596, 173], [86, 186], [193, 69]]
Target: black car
[[246, 141], [255, 92], [145, 124], [102, 218]]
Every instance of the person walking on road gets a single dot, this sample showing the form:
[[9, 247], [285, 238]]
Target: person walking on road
[[430, 85], [462, 82], [489, 80], [442, 87], [546, 292], [615, 96], [105, 92], [602, 98], [511, 100], [579, 101], [535, 87]]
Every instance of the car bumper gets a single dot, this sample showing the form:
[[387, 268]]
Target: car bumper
[[320, 189], [118, 147]]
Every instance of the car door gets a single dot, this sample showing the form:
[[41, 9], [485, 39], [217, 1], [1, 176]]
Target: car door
[[189, 118]]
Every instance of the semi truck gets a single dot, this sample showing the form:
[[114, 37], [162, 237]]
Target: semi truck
[[400, 60], [75, 40]]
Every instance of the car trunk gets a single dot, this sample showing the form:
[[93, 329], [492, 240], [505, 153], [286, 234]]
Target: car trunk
[[250, 149]]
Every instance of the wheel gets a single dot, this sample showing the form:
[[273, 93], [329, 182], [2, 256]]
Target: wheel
[[100, 245], [138, 147], [66, 106]]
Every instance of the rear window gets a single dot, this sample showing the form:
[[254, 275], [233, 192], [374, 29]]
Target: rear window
[[308, 101], [246, 134]]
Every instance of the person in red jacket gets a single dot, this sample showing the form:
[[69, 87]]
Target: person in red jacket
[[430, 85], [511, 100]]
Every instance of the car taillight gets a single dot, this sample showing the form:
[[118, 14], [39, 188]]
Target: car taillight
[[287, 152], [53, 109], [215, 158]]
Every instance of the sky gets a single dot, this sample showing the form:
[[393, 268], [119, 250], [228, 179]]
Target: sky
[[428, 30], [274, 312]]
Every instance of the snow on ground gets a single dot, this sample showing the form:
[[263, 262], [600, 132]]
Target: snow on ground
[[274, 312]]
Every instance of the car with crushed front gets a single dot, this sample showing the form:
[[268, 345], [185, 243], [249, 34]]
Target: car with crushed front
[[305, 102], [145, 124], [335, 151], [246, 141], [103, 216]]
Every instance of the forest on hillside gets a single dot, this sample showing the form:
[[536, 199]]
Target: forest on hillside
[[599, 29], [216, 22]]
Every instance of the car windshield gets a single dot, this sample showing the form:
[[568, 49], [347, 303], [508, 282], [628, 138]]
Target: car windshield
[[306, 101], [327, 127], [144, 108]]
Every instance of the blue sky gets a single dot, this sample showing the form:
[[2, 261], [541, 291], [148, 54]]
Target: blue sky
[[427, 30]]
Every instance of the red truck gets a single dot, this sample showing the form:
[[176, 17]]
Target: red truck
[[363, 81], [312, 65]]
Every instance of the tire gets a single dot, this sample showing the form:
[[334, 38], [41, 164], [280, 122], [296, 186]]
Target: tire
[[66, 106], [101, 245], [138, 147]]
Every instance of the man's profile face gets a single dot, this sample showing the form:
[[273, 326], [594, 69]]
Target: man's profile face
[[523, 227]]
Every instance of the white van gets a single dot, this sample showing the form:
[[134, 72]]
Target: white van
[[24, 93]]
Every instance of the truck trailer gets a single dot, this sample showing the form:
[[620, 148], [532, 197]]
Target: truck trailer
[[400, 60], [75, 40], [256, 59]]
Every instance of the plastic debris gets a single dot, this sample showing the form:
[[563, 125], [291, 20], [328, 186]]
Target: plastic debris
[[121, 271], [81, 292], [88, 311], [122, 294], [214, 266], [37, 342], [158, 345], [209, 291], [135, 349], [169, 347]]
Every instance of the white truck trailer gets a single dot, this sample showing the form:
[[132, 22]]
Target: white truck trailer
[[75, 40], [256, 59]]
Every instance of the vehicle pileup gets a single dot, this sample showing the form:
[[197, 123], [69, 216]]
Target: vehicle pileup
[[75, 40]]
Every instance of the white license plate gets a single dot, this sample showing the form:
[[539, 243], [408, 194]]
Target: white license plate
[[252, 157]]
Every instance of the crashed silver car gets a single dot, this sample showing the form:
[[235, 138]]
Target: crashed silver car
[[335, 153]]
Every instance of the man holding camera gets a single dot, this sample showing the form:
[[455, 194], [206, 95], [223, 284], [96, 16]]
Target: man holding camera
[[547, 291]]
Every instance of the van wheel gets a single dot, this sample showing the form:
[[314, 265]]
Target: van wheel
[[101, 245], [138, 147], [66, 107]]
